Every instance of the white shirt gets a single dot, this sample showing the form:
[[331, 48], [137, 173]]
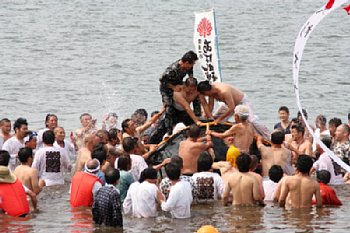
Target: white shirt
[[179, 201], [1, 142], [39, 142], [324, 162], [138, 164], [50, 163], [141, 199], [68, 147], [269, 189], [12, 145], [209, 185], [318, 134]]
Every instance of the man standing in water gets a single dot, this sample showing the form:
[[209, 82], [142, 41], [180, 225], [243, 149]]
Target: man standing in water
[[244, 186], [172, 77], [242, 132], [300, 187]]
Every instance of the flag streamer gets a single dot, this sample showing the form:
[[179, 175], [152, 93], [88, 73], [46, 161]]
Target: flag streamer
[[300, 42]]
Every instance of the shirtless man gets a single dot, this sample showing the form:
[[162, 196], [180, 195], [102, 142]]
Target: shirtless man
[[84, 153], [231, 97], [300, 188], [299, 142], [88, 127], [25, 173], [191, 148], [5, 129], [242, 131], [184, 96], [131, 130], [244, 186], [275, 155]]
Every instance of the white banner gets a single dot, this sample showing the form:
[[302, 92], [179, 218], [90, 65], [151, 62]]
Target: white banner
[[300, 42], [205, 43]]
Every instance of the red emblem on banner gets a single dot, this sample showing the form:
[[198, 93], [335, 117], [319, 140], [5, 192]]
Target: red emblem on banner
[[330, 4], [347, 8], [204, 27]]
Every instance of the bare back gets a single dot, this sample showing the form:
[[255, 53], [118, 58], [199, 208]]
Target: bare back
[[190, 151], [300, 189], [273, 156], [227, 93], [244, 187], [29, 177], [243, 134], [83, 156]]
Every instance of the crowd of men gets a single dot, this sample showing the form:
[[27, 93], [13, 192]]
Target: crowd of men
[[109, 166]]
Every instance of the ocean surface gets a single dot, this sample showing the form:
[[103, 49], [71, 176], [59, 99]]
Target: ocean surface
[[72, 56]]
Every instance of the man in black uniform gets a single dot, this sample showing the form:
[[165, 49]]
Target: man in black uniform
[[173, 76]]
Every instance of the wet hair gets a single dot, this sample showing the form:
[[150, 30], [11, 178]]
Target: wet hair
[[191, 81], [125, 124], [85, 114], [304, 112], [205, 161], [254, 161], [47, 118], [3, 120], [154, 113], [57, 128], [113, 134], [204, 86], [243, 162], [172, 171], [335, 121], [322, 119], [284, 108], [295, 120], [275, 173], [112, 175], [148, 173], [304, 164], [177, 160], [101, 133], [346, 128], [99, 152], [194, 131], [24, 154], [4, 158], [323, 176], [124, 162], [129, 143], [277, 137], [142, 112], [48, 137], [327, 140], [190, 57], [299, 128], [19, 122]]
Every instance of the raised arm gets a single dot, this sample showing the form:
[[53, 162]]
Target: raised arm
[[148, 123]]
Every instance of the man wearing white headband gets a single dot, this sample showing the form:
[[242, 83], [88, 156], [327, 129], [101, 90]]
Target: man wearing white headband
[[242, 132], [85, 184]]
